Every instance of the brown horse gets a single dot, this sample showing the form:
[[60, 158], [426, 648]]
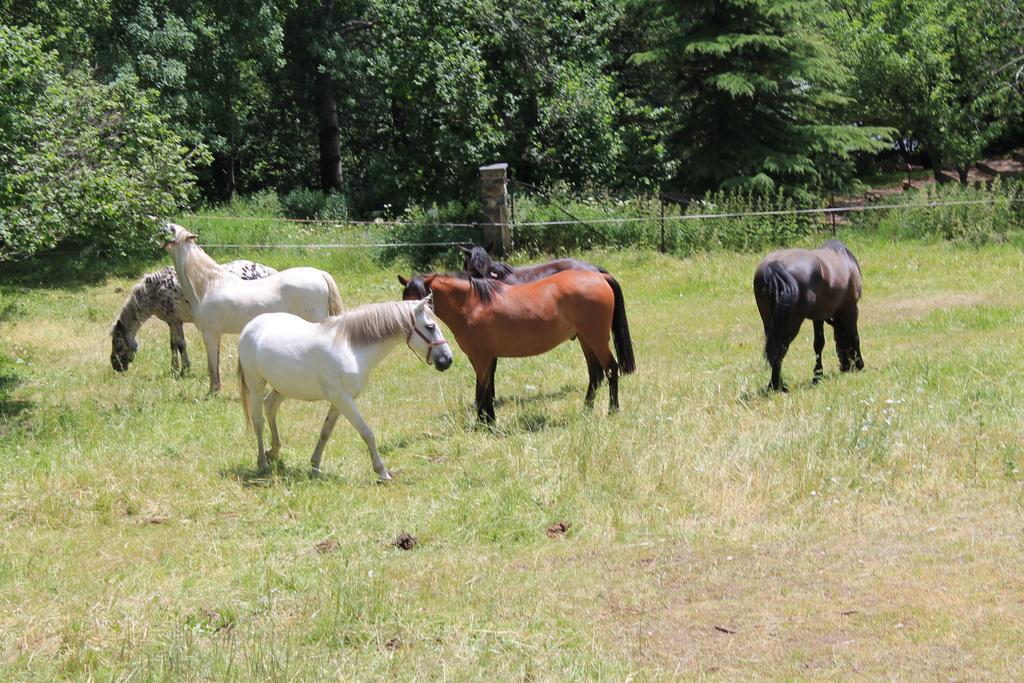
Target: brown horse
[[478, 263], [492, 320], [824, 285]]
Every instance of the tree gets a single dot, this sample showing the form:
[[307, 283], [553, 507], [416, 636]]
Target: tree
[[759, 94], [79, 160], [943, 72]]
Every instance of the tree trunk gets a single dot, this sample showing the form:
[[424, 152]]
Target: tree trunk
[[330, 135], [933, 160], [961, 171]]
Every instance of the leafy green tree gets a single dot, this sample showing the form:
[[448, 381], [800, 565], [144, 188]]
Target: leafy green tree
[[943, 72], [758, 92], [80, 161]]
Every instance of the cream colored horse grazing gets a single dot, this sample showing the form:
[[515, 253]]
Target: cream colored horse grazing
[[328, 361], [222, 302]]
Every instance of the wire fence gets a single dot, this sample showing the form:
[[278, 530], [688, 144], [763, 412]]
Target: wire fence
[[374, 230]]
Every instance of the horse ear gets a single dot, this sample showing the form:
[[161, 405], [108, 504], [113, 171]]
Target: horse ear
[[464, 249], [402, 281], [192, 238]]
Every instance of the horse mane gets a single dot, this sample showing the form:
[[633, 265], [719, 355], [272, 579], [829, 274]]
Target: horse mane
[[839, 247], [202, 271], [501, 269], [373, 323], [134, 309], [480, 264], [486, 288]]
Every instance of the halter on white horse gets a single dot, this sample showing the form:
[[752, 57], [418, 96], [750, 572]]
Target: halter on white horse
[[431, 345]]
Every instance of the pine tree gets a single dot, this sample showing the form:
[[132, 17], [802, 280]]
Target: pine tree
[[758, 93]]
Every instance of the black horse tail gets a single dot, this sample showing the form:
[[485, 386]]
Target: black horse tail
[[620, 330], [784, 293]]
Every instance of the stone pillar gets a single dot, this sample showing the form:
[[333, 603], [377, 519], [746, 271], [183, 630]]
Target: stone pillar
[[494, 198]]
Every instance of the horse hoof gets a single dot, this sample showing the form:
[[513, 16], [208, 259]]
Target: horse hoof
[[314, 473]]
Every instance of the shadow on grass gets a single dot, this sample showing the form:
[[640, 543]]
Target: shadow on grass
[[765, 391], [10, 407], [566, 390], [74, 269], [280, 472]]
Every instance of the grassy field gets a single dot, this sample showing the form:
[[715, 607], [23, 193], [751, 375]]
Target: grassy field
[[868, 526]]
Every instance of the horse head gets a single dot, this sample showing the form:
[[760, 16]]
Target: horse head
[[415, 288], [425, 338], [846, 349], [175, 235], [476, 262], [122, 351]]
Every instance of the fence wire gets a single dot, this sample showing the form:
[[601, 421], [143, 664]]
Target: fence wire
[[384, 224]]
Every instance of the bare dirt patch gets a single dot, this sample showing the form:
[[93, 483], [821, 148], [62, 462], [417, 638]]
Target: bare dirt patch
[[915, 308]]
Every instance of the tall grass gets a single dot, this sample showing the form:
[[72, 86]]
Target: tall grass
[[980, 215], [559, 223]]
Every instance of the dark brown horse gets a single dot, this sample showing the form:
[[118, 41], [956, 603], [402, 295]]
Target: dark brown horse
[[824, 285], [492, 320], [478, 263]]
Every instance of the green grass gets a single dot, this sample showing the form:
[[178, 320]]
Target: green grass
[[868, 526]]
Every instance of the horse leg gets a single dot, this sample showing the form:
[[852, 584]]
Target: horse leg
[[212, 342], [613, 387], [174, 348], [490, 391], [325, 433], [819, 345], [256, 389], [788, 334], [271, 404], [595, 373], [597, 342], [485, 388], [848, 320], [178, 347], [348, 408]]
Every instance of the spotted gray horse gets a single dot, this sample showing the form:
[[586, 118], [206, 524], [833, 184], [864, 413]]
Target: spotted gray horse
[[159, 294]]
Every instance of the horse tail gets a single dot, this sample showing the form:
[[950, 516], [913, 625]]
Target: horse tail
[[783, 292], [620, 330], [334, 305], [243, 390]]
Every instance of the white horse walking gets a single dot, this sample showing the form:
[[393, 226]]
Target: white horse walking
[[222, 302], [328, 361]]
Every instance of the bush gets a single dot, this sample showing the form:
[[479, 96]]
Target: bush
[[310, 204], [81, 162], [559, 223], [426, 226], [924, 214]]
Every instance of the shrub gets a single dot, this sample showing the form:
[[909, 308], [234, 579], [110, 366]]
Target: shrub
[[995, 213], [81, 162]]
